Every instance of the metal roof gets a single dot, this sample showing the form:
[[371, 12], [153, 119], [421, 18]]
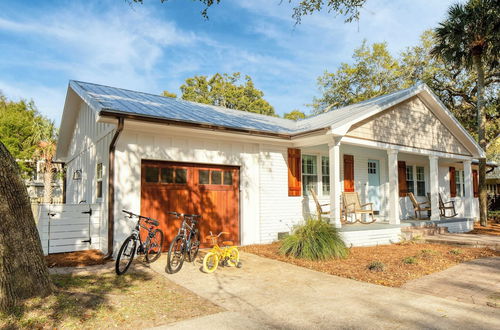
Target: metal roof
[[122, 101]]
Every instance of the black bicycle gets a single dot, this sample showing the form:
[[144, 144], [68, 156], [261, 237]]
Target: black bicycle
[[185, 244], [151, 248]]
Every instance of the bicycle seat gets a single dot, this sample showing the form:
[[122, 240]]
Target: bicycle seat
[[228, 243]]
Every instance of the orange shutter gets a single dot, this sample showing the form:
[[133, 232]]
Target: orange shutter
[[294, 173], [403, 189], [453, 183], [475, 183], [348, 173]]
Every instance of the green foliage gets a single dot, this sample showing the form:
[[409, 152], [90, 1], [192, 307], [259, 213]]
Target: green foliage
[[230, 91], [376, 72], [455, 251], [314, 240], [294, 115], [410, 260], [168, 94], [428, 253], [22, 128], [376, 266]]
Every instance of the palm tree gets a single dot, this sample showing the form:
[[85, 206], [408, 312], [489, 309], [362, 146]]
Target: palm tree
[[470, 38]]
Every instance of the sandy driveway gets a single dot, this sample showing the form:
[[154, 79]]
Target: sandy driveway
[[270, 294]]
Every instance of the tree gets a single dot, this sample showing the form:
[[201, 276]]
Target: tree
[[227, 91], [294, 115], [168, 94], [347, 8], [374, 72], [23, 273], [470, 38]]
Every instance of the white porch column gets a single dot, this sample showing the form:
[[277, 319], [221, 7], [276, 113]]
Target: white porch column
[[434, 185], [392, 164], [335, 187], [469, 194]]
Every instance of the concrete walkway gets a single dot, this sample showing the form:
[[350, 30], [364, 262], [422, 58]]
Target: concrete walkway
[[469, 240], [268, 294], [475, 282]]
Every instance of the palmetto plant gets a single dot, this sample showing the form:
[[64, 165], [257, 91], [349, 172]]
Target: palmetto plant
[[470, 38], [314, 240]]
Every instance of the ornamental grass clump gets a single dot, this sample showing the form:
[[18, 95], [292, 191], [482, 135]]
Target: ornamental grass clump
[[314, 240]]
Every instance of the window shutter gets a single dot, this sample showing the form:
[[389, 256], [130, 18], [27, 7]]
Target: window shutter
[[475, 183], [453, 183], [348, 173], [294, 173], [403, 189]]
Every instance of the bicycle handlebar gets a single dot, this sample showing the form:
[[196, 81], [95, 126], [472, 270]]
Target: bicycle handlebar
[[177, 214], [147, 219]]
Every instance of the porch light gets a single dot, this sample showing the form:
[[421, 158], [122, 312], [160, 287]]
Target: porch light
[[77, 175]]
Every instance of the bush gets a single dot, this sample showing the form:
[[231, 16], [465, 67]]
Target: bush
[[428, 253], [376, 266], [410, 260], [455, 251], [314, 240]]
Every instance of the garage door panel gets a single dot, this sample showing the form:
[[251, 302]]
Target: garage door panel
[[209, 190]]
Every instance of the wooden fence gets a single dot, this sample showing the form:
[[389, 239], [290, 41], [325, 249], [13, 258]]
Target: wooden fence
[[69, 227]]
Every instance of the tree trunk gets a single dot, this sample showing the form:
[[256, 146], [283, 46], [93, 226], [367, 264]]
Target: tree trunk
[[47, 182], [23, 272], [481, 120]]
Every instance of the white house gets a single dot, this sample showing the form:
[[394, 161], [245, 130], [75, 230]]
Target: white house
[[249, 174]]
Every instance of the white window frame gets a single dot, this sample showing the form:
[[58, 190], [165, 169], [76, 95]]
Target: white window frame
[[99, 180], [417, 181], [319, 173], [459, 183], [415, 178]]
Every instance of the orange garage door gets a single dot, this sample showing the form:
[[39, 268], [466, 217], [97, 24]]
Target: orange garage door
[[209, 190]]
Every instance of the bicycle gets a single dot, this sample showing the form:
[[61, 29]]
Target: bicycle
[[151, 248], [186, 243], [228, 255]]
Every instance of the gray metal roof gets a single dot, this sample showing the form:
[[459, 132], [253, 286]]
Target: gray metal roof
[[123, 101]]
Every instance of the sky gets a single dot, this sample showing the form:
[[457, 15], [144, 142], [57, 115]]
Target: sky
[[154, 47]]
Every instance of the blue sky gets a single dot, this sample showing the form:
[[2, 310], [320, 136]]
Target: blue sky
[[155, 46]]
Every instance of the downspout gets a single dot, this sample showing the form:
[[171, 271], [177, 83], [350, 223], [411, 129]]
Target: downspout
[[111, 187]]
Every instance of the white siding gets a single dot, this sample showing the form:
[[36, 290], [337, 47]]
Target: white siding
[[204, 148]]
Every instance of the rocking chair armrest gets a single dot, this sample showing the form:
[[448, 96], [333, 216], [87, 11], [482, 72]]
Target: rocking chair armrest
[[422, 203], [324, 204], [449, 202], [363, 205]]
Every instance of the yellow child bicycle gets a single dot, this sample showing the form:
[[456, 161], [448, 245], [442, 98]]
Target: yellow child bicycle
[[227, 255]]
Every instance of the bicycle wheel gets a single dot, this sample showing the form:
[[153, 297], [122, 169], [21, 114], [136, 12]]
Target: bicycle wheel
[[154, 246], [125, 255], [234, 257], [194, 246], [210, 262], [175, 255]]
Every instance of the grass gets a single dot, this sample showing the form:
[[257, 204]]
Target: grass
[[314, 240], [411, 260], [136, 300], [361, 263]]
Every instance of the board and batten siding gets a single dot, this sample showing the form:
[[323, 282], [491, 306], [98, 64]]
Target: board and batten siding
[[88, 147], [155, 143], [410, 124]]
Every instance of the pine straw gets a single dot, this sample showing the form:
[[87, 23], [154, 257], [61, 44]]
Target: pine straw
[[491, 229], [75, 259], [430, 258]]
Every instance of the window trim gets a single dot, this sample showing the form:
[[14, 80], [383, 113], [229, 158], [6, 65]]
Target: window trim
[[415, 179], [319, 173], [99, 180], [460, 182]]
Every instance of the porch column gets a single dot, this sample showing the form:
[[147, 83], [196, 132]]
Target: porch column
[[469, 194], [434, 185], [335, 188], [392, 164]]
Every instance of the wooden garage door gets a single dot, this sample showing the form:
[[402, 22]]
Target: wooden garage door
[[209, 190]]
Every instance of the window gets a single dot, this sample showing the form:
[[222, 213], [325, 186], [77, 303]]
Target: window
[[167, 175], [459, 180], [309, 173], [325, 175], [372, 168], [180, 176], [409, 179], [420, 181], [99, 180], [203, 177], [152, 174], [215, 177], [228, 178]]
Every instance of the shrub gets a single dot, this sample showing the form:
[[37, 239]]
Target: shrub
[[427, 253], [410, 260], [456, 251], [376, 266], [314, 240]]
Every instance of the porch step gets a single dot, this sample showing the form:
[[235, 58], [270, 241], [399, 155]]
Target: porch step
[[423, 231]]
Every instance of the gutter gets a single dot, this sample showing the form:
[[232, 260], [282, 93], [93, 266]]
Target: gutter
[[111, 187]]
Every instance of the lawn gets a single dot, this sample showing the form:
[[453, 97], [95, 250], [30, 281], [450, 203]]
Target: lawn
[[139, 299], [389, 265]]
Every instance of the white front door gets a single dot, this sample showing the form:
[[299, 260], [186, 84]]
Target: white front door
[[374, 183]]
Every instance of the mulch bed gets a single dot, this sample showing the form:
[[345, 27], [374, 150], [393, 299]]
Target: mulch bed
[[491, 229], [400, 262], [75, 259]]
